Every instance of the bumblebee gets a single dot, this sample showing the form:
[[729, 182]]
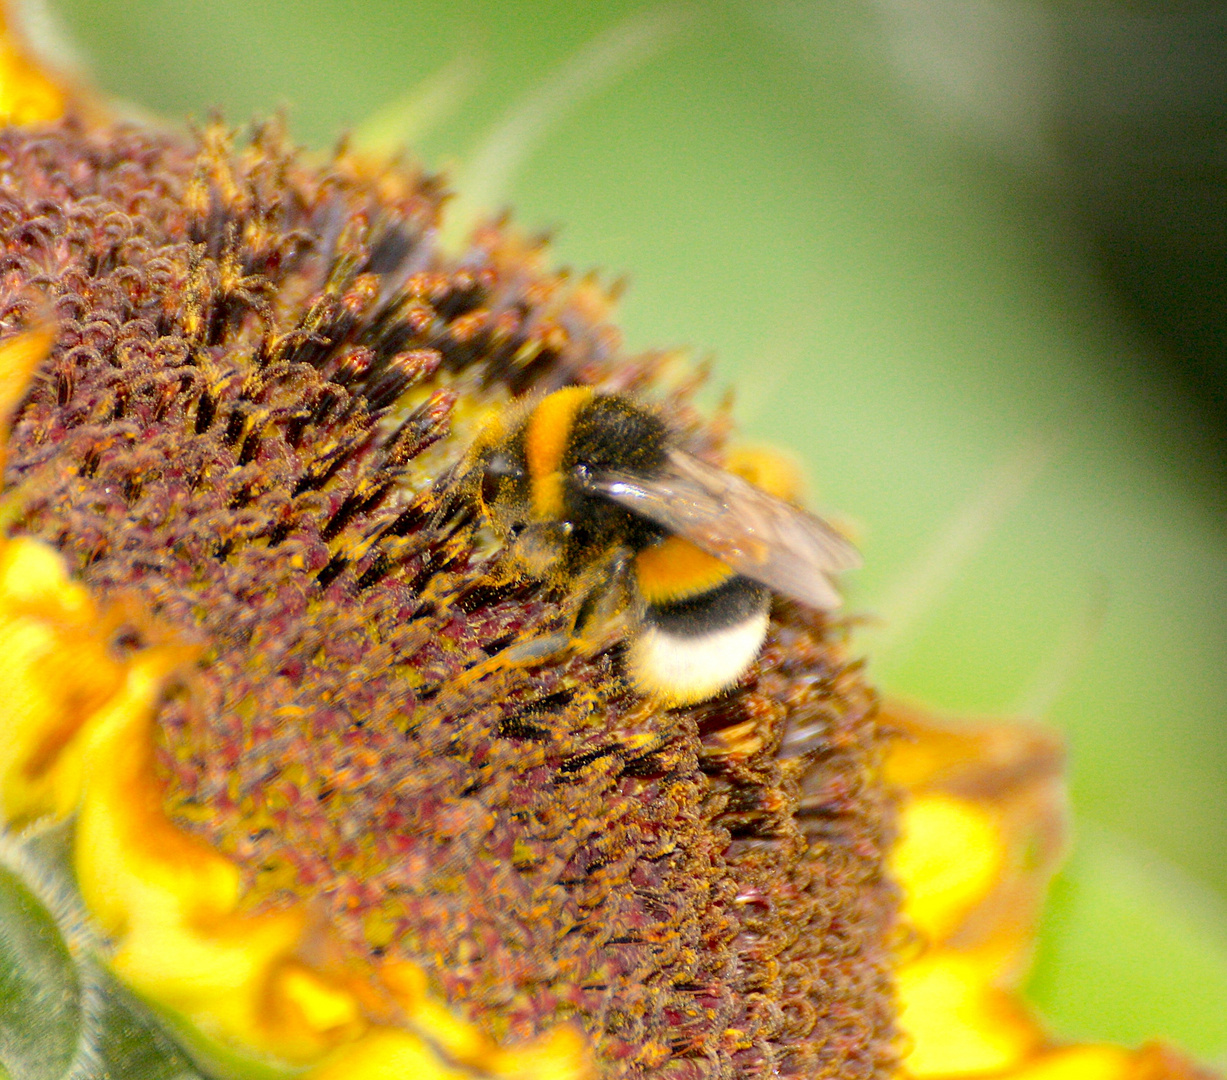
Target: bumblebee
[[591, 490]]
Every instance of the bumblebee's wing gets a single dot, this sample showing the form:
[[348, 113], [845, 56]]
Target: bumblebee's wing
[[764, 538]]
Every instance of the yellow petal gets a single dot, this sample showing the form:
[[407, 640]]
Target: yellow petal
[[768, 468], [1158, 1061], [982, 825], [948, 859], [395, 1053], [57, 675], [19, 356], [983, 831], [1078, 1063], [956, 1023], [170, 903], [27, 94]]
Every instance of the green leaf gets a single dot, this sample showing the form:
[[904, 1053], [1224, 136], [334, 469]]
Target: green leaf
[[61, 1014], [40, 988], [130, 1042]]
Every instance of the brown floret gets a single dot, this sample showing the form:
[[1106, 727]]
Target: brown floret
[[263, 368]]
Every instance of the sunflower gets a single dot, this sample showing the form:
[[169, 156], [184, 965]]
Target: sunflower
[[258, 821]]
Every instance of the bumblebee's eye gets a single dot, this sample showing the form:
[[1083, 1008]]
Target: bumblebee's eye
[[489, 487], [500, 467]]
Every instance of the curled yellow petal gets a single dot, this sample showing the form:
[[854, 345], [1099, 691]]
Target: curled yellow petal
[[395, 1053], [1154, 1061], [768, 468], [19, 356], [170, 904], [432, 1042], [982, 828], [990, 799]]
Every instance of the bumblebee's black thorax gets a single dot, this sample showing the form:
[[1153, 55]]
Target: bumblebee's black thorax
[[610, 434]]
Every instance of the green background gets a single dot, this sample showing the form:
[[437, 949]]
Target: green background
[[964, 258]]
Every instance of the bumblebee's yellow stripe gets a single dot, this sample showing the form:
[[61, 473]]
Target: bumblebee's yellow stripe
[[545, 441], [675, 569]]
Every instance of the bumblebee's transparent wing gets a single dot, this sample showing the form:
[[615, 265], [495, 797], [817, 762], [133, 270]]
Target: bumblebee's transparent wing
[[765, 538]]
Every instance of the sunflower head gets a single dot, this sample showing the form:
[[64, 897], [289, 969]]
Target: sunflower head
[[261, 374]]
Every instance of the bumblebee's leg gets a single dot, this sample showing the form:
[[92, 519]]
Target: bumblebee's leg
[[602, 618], [530, 651], [609, 610], [520, 654]]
